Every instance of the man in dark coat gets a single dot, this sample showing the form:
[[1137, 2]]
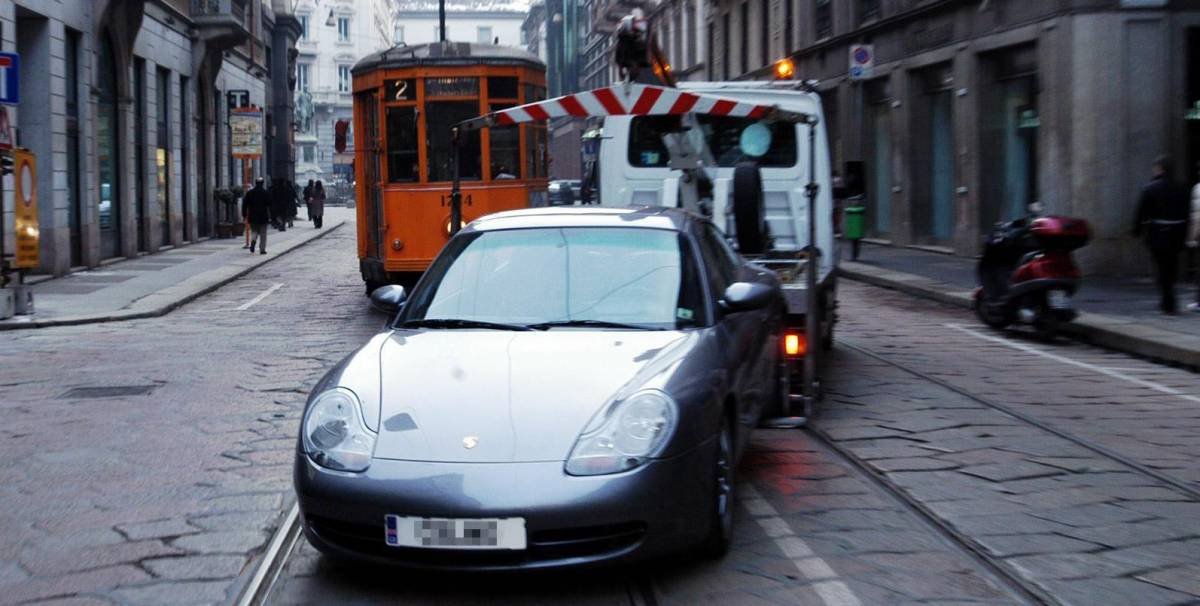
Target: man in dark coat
[[281, 199], [1162, 218], [256, 207]]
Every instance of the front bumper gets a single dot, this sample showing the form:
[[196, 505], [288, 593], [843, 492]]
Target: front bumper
[[659, 508]]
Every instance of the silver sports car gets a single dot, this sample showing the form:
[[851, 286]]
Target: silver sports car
[[564, 386]]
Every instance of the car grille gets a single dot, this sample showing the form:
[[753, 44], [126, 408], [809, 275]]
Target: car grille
[[544, 546]]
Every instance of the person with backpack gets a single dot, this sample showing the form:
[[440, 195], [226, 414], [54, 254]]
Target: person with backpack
[[256, 208]]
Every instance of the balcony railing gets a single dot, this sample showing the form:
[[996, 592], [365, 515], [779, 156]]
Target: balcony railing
[[222, 22]]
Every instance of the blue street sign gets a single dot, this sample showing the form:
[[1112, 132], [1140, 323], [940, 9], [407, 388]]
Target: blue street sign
[[10, 82]]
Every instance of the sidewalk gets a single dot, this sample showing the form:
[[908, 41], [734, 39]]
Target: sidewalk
[[152, 285], [1118, 312]]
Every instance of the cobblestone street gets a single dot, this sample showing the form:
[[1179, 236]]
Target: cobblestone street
[[150, 463]]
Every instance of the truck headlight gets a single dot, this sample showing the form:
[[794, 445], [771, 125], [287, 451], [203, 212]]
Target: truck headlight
[[624, 435], [334, 434]]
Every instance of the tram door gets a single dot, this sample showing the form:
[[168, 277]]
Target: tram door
[[373, 187]]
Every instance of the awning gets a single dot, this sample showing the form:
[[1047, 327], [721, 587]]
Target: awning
[[632, 100]]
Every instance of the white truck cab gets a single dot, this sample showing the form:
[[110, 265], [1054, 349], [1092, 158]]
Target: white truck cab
[[634, 164]]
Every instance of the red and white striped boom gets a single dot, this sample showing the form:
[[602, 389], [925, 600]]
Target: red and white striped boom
[[631, 100]]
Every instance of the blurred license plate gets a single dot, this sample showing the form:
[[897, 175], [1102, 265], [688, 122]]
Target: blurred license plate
[[444, 533], [1058, 299]]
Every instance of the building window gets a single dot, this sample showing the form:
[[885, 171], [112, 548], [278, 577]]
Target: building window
[[302, 76], [343, 78], [689, 18], [483, 34], [162, 156], [745, 41], [726, 49], [765, 32], [789, 7], [308, 154], [867, 10], [343, 29], [74, 192], [398, 34], [823, 18], [304, 27]]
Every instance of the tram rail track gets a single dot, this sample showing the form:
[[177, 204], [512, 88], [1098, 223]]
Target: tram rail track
[[970, 546]]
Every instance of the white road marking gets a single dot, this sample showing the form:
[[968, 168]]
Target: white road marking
[[1114, 373], [265, 294], [830, 589]]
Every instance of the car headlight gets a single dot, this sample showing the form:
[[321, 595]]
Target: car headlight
[[335, 435], [624, 435]]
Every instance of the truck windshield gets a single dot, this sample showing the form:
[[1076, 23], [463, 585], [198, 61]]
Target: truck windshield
[[562, 277], [646, 149]]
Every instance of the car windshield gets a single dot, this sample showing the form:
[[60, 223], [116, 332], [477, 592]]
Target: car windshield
[[552, 278]]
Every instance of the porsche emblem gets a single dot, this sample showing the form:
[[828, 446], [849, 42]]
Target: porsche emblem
[[470, 442]]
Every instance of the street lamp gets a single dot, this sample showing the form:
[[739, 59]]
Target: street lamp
[[330, 22]]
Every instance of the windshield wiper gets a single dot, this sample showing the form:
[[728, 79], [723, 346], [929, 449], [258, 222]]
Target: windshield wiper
[[459, 323], [590, 323]]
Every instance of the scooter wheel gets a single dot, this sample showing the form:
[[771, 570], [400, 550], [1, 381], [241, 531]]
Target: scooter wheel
[[992, 319]]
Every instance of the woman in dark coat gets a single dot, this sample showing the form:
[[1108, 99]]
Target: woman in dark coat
[[316, 204], [308, 189]]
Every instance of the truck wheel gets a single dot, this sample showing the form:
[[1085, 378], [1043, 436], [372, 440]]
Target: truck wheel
[[748, 212], [372, 285]]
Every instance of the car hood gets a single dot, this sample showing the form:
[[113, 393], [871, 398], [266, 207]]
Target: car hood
[[510, 396]]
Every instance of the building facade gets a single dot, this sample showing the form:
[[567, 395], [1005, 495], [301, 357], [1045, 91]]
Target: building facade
[[975, 108], [125, 104], [335, 34]]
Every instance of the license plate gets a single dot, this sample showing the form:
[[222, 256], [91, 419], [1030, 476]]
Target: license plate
[[1058, 299], [455, 533]]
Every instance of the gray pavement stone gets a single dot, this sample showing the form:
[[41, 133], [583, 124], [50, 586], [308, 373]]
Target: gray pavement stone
[[1184, 579], [1030, 544], [157, 594], [1100, 514], [1136, 533], [156, 530], [55, 562], [232, 541], [913, 464], [1089, 592], [1072, 566], [86, 582], [195, 567], [1011, 471]]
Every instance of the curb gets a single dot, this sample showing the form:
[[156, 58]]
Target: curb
[[165, 308], [1111, 332]]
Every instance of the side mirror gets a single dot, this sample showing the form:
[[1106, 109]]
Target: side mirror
[[747, 296], [388, 299]]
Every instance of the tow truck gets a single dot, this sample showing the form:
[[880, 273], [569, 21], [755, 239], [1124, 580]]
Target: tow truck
[[750, 156]]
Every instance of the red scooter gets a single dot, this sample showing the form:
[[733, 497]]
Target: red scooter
[[1027, 274]]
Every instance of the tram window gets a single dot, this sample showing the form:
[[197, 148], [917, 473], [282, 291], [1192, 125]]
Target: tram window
[[534, 93], [502, 88], [402, 144], [439, 117], [505, 148], [535, 151]]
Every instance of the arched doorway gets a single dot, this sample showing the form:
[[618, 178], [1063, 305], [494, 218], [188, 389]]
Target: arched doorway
[[108, 149]]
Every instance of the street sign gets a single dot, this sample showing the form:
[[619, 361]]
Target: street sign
[[246, 126], [862, 61], [10, 82], [6, 140], [25, 202]]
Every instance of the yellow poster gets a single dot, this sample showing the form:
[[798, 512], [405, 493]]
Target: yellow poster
[[25, 201]]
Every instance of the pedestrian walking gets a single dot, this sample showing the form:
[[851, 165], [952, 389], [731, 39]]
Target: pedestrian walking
[[256, 207], [1162, 217], [1193, 240], [308, 189], [280, 200], [316, 204]]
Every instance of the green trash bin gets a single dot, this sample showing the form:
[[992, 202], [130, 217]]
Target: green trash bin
[[852, 228]]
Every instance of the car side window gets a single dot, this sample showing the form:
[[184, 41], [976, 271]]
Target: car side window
[[727, 259], [712, 267]]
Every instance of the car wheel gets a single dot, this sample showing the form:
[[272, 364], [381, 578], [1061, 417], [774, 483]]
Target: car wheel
[[720, 533]]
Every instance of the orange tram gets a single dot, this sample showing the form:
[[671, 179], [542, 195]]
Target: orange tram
[[406, 99]]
